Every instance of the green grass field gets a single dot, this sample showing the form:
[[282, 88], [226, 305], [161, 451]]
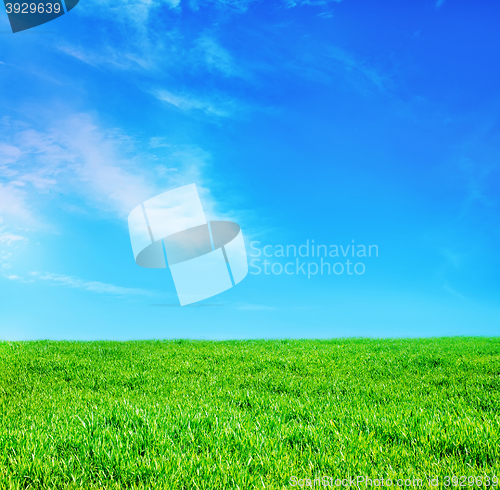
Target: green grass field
[[247, 414]]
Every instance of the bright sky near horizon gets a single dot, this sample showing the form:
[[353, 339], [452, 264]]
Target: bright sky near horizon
[[344, 122]]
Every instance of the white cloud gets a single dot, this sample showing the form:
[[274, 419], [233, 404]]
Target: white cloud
[[242, 6], [91, 286], [76, 156], [9, 238], [218, 58], [106, 175], [169, 51], [189, 103], [163, 58], [131, 13], [312, 3], [134, 44], [159, 61], [13, 243], [105, 168], [8, 154], [13, 204], [119, 59]]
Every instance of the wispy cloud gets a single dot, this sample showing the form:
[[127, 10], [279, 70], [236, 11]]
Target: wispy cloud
[[161, 61], [8, 154], [359, 67], [5, 258], [76, 156], [329, 64], [106, 168], [312, 3], [111, 57], [171, 53], [13, 204], [242, 6], [91, 286], [189, 103], [217, 58], [104, 172], [9, 238], [335, 63], [130, 13]]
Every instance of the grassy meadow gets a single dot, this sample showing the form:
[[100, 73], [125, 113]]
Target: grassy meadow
[[246, 414]]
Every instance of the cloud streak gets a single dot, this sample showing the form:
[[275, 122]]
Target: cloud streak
[[212, 107], [359, 67], [76, 165], [106, 168], [90, 286], [10, 238]]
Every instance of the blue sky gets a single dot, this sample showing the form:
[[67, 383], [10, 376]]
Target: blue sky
[[336, 121]]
